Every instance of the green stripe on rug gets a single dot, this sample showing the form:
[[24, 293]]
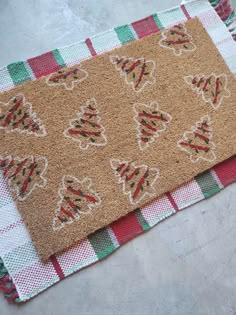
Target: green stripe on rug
[[101, 243], [214, 3], [58, 58], [157, 20], [207, 183], [18, 72], [124, 33], [142, 220]]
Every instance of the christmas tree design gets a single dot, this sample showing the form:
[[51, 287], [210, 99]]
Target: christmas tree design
[[151, 121], [137, 181], [76, 198], [24, 174], [137, 72], [87, 128], [17, 116], [67, 77], [212, 88], [198, 143], [177, 39]]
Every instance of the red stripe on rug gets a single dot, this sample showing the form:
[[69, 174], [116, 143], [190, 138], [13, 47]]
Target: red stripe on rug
[[57, 267], [90, 47], [226, 171], [44, 64], [127, 228], [11, 226], [185, 11], [172, 201], [145, 27]]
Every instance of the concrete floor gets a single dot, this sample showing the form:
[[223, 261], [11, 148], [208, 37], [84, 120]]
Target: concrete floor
[[186, 265]]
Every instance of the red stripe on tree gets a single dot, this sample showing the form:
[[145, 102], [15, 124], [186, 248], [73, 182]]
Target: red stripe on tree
[[152, 116], [140, 76], [205, 124], [79, 132], [202, 128], [177, 42], [137, 63], [19, 168], [206, 83], [35, 126], [177, 32], [140, 183], [30, 123], [3, 162], [147, 133], [148, 126], [193, 146], [60, 218], [216, 91], [26, 182], [78, 193], [124, 170], [120, 166], [90, 114], [20, 120], [57, 77], [124, 64], [68, 213], [13, 110], [91, 107], [132, 174], [118, 60], [199, 82], [8, 167], [201, 136], [91, 123], [71, 204]]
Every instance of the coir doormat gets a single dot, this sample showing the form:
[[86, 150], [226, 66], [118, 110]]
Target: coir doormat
[[91, 143]]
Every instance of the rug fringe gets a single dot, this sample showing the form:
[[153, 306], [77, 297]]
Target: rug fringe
[[7, 286]]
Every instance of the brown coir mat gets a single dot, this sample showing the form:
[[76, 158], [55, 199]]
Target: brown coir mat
[[88, 144]]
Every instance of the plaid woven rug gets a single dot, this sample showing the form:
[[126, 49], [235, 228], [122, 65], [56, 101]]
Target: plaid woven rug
[[22, 275]]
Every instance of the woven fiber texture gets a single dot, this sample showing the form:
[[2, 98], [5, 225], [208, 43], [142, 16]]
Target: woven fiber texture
[[18, 254]]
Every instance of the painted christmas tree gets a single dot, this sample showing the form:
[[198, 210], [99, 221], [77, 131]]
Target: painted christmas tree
[[177, 39], [24, 174], [17, 116], [76, 198], [198, 143], [67, 77], [151, 121], [212, 88], [87, 128], [137, 181], [137, 72]]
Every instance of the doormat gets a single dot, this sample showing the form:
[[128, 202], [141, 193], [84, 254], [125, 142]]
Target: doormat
[[80, 171], [105, 241]]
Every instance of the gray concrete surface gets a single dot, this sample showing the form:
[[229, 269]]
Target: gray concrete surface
[[186, 265]]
